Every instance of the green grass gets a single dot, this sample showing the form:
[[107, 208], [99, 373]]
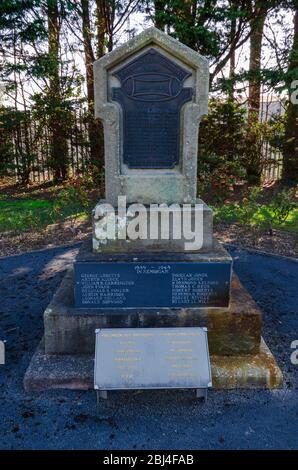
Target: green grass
[[18, 215], [290, 224], [230, 213]]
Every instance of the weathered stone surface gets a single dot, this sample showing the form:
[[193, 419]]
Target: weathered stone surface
[[233, 330], [103, 244], [76, 371], [67, 371], [253, 371], [151, 185], [217, 253]]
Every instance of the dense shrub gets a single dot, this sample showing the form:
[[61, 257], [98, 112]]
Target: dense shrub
[[231, 149], [221, 149], [222, 131], [280, 212]]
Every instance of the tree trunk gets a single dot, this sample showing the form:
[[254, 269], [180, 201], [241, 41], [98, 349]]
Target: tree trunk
[[95, 130], [58, 141], [290, 150], [105, 13], [254, 164], [256, 38], [100, 26], [233, 7]]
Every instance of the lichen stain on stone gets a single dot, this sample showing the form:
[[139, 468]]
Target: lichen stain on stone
[[247, 371]]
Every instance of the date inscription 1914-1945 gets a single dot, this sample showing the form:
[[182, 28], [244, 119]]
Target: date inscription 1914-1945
[[151, 96]]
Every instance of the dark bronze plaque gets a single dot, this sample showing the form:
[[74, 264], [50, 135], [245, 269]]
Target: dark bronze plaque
[[149, 285], [151, 96]]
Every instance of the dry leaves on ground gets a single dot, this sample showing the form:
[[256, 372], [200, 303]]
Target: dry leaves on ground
[[281, 242], [53, 235]]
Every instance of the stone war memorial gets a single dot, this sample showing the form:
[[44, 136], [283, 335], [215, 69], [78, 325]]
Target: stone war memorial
[[152, 269]]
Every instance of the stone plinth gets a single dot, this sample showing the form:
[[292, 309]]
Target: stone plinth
[[228, 372], [232, 330], [166, 238], [128, 279]]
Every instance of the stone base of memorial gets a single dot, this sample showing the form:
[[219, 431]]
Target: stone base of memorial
[[150, 94], [199, 214], [76, 371], [239, 357], [152, 279]]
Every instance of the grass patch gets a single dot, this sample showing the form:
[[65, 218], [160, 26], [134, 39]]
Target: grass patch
[[18, 215], [24, 214], [233, 213]]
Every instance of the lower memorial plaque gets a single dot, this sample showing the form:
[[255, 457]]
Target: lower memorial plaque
[[152, 358], [147, 285]]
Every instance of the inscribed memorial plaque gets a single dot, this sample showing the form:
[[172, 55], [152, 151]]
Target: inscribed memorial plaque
[[151, 96], [155, 284], [138, 358]]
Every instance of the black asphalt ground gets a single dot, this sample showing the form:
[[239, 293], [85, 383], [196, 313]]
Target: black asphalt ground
[[144, 420]]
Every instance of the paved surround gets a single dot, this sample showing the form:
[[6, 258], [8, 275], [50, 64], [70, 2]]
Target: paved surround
[[67, 419]]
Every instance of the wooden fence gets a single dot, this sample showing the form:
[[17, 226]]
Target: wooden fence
[[272, 165]]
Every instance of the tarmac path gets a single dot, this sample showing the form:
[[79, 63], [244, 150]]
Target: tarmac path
[[63, 419]]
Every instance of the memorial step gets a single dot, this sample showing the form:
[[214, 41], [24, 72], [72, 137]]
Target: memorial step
[[76, 372], [232, 330]]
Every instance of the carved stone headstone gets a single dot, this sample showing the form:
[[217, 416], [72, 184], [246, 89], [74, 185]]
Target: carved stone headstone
[[151, 94]]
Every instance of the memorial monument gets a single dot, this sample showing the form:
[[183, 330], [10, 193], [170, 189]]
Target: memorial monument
[[145, 267]]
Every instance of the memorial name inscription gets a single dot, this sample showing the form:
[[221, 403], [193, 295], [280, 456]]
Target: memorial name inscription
[[152, 358], [151, 96], [147, 285]]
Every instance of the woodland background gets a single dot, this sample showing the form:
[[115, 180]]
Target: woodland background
[[51, 147]]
